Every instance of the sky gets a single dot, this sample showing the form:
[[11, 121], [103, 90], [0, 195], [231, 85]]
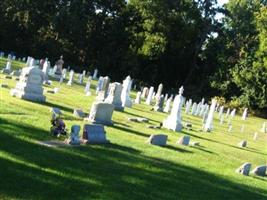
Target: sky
[[221, 2]]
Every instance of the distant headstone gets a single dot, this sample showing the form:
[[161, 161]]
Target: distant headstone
[[209, 123], [188, 106], [184, 140], [149, 96], [81, 78], [30, 85], [7, 69], [16, 73], [159, 91], [114, 96], [243, 143], [264, 127], [159, 104], [95, 74], [101, 113], [158, 140], [144, 92], [194, 108], [87, 87], [138, 98], [244, 169], [167, 107], [260, 170], [71, 77], [94, 134], [245, 113], [125, 94], [78, 113]]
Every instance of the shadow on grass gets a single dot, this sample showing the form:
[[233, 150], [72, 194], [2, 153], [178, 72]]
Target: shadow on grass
[[109, 172], [215, 141], [130, 131], [178, 149]]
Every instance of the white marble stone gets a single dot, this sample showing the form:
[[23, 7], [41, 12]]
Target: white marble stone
[[138, 98], [167, 107], [174, 120], [125, 94], [149, 96], [158, 140], [71, 78], [101, 113], [209, 123], [244, 169], [114, 96], [95, 74], [30, 85], [245, 113]]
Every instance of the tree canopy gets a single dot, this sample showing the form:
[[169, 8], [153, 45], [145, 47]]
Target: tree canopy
[[176, 42]]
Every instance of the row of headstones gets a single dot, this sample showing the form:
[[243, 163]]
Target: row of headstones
[[245, 169]]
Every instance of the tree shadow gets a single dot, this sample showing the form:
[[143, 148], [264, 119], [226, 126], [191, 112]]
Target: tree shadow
[[130, 131]]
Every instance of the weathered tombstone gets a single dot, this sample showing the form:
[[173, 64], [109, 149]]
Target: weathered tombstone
[[125, 94], [71, 77], [188, 106], [209, 123], [227, 113], [138, 98], [243, 143], [7, 69], [95, 74], [194, 108], [30, 85], [145, 92], [59, 66], [149, 96], [158, 140], [184, 140], [159, 91], [64, 73], [74, 135], [46, 68], [78, 113], [87, 88], [159, 104], [101, 113], [174, 120], [221, 111], [167, 107], [244, 169], [260, 170], [99, 84], [114, 96], [16, 73], [80, 78], [245, 113], [94, 134], [198, 109]]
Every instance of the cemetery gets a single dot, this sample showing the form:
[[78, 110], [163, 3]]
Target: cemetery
[[110, 153], [133, 99]]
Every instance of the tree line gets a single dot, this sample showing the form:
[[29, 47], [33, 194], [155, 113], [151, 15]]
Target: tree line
[[174, 42]]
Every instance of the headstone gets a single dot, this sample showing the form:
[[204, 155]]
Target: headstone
[[227, 113], [114, 96], [145, 92], [64, 73], [209, 123], [99, 84], [221, 111], [78, 113], [16, 73], [7, 69], [159, 91], [87, 87], [159, 104], [174, 120], [125, 94], [95, 74], [59, 66], [194, 108], [138, 98], [81, 78], [260, 170], [94, 134], [243, 143], [188, 106], [158, 140], [71, 77], [184, 140], [167, 107], [244, 169], [74, 135], [149, 96], [30, 85], [101, 113], [46, 68], [245, 113]]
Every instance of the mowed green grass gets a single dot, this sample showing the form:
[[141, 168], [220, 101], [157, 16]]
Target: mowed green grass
[[127, 168]]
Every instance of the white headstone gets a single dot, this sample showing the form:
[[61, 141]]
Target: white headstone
[[125, 94], [149, 96], [174, 120], [114, 96], [209, 123], [101, 113], [245, 113], [138, 98], [71, 77]]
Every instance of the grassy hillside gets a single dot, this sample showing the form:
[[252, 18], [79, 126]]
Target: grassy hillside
[[127, 168]]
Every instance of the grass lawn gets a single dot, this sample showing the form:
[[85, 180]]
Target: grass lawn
[[127, 168]]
